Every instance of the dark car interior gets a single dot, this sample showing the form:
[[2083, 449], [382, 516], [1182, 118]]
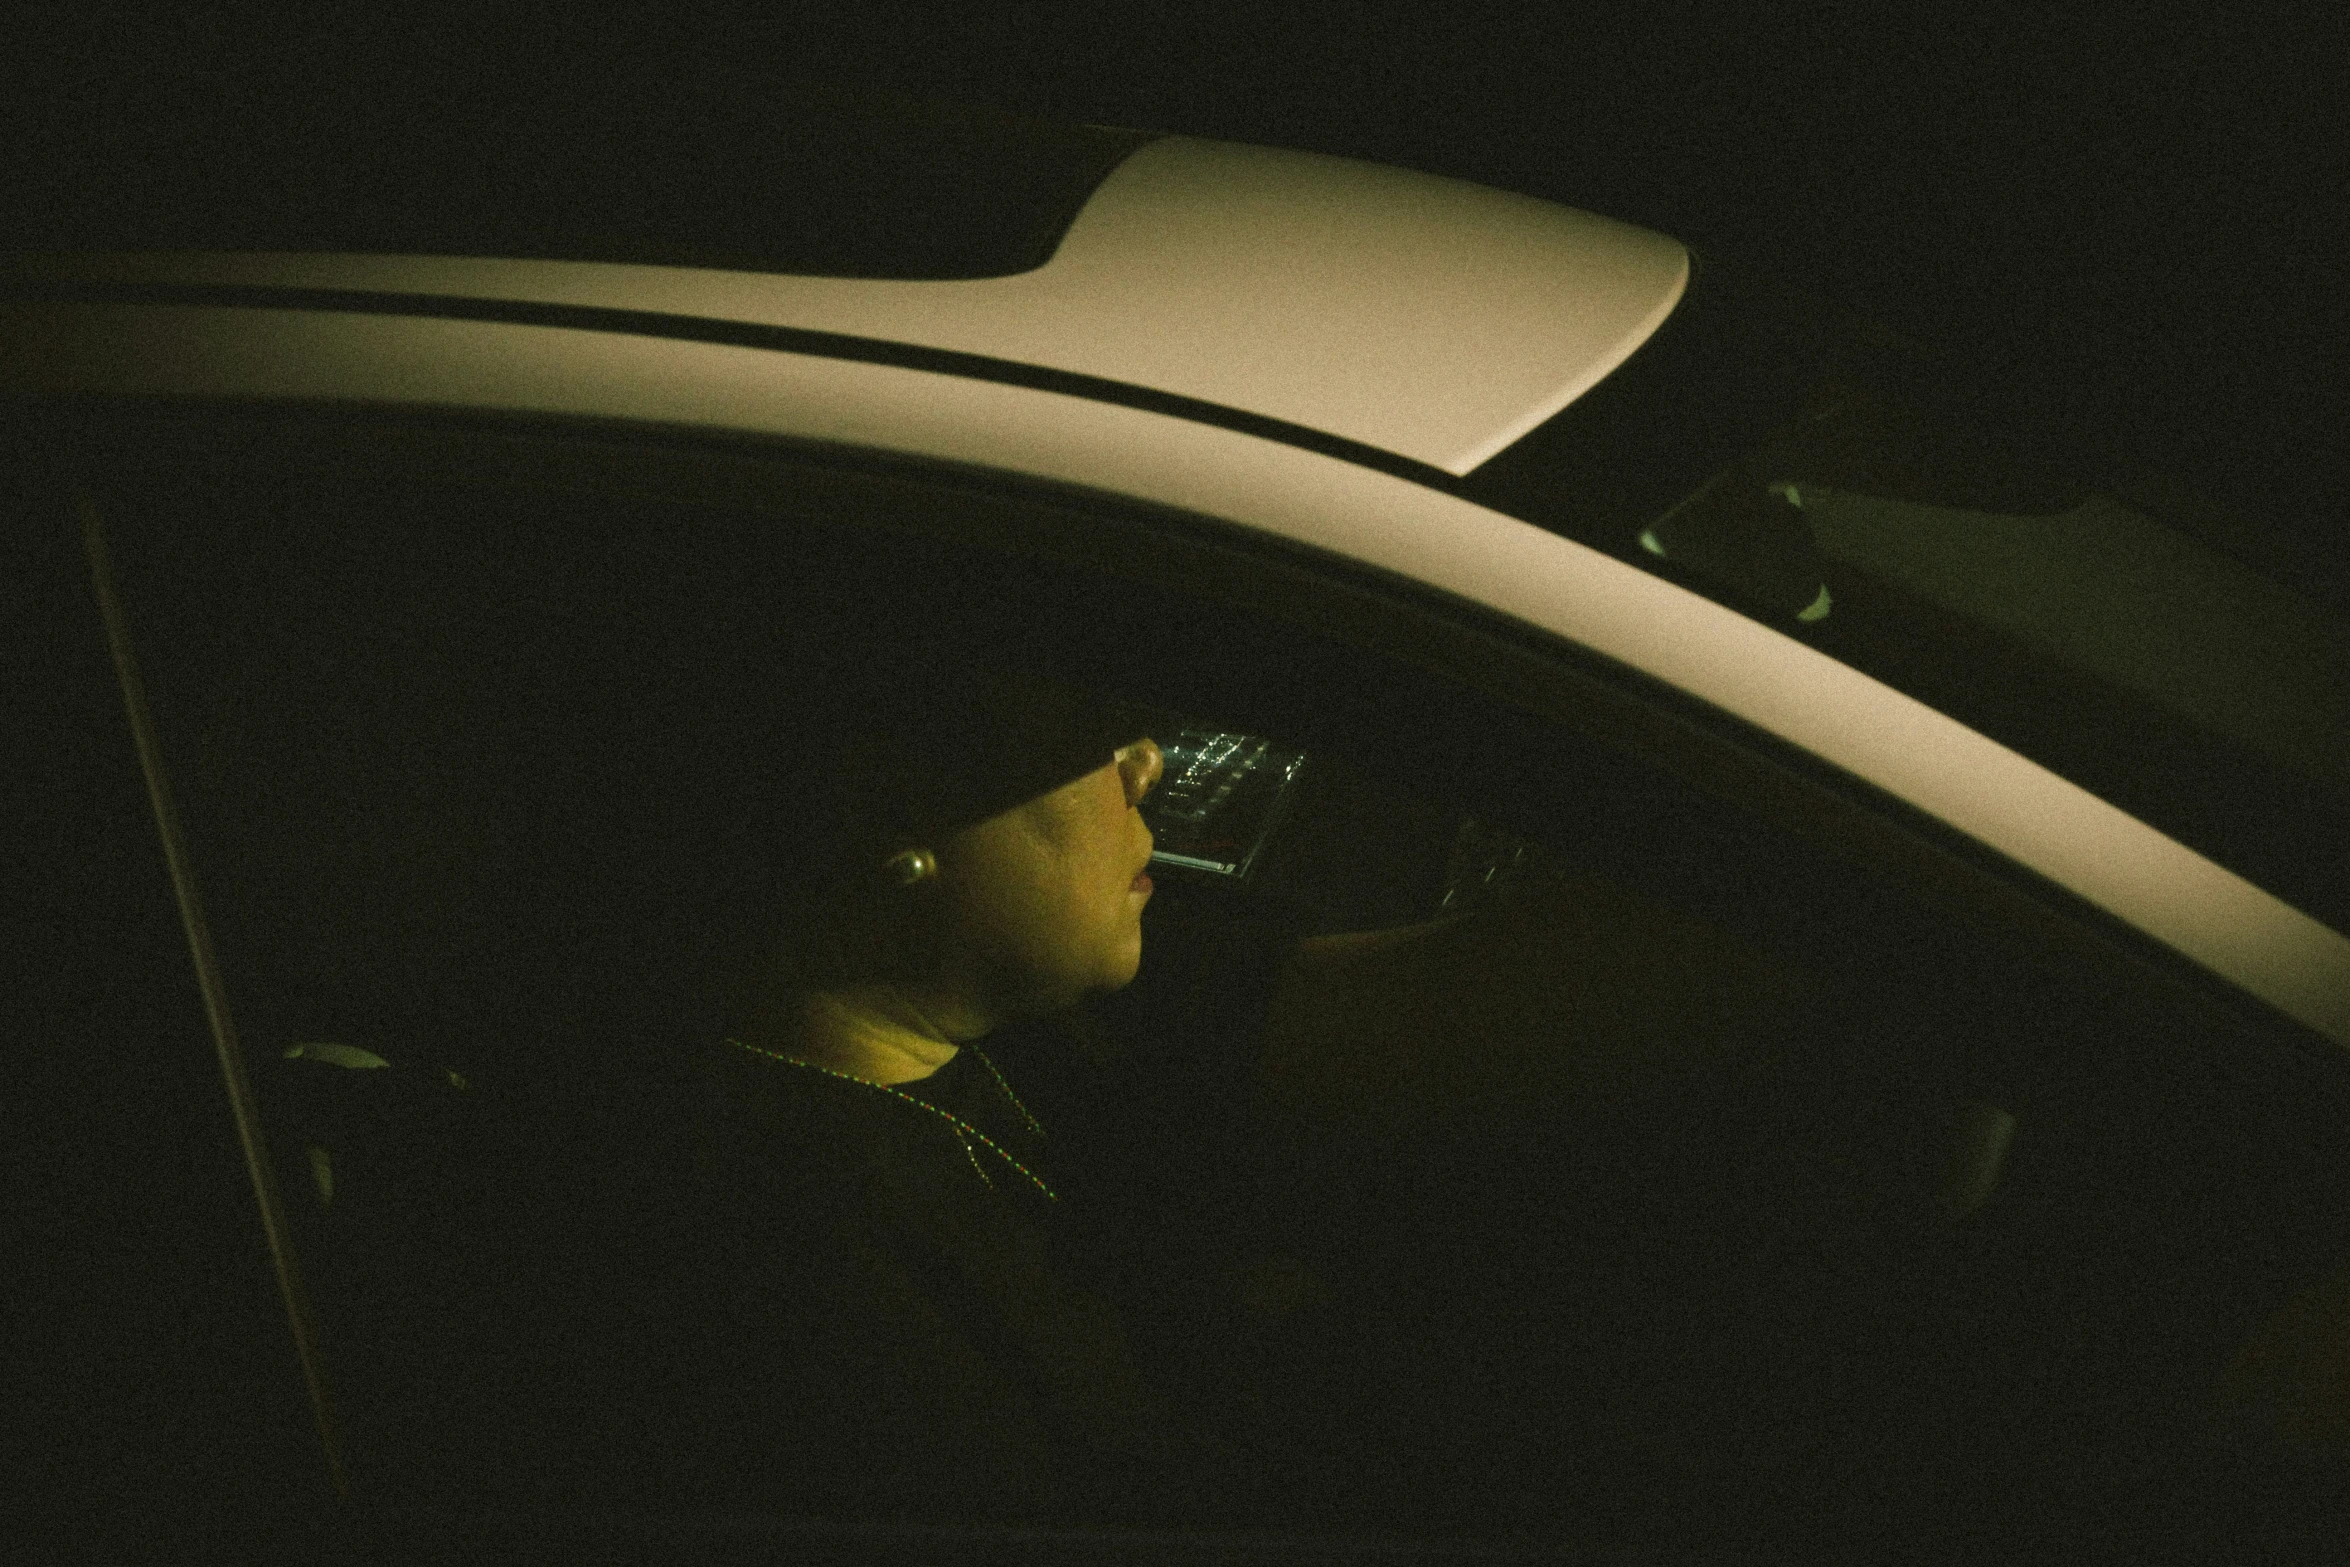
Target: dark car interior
[[1974, 1238], [1836, 1271], [1969, 1239]]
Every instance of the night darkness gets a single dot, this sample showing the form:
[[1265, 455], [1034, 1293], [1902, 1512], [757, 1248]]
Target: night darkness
[[2124, 218]]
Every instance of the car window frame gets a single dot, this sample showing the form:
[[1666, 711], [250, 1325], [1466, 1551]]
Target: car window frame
[[1555, 680], [697, 375], [1549, 677]]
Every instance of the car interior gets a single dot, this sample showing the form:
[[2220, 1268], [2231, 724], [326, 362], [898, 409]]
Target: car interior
[[1964, 1222]]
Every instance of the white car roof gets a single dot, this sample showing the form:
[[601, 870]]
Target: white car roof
[[1427, 317]]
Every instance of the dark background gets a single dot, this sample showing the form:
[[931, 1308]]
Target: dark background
[[2125, 220], [2124, 217]]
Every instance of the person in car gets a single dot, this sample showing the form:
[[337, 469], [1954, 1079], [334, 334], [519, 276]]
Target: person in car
[[936, 1183], [923, 1161], [963, 859]]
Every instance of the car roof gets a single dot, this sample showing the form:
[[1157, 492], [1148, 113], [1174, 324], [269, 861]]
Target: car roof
[[1422, 316]]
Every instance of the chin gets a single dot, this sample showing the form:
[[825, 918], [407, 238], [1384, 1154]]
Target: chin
[[1113, 969], [1116, 973], [1123, 971]]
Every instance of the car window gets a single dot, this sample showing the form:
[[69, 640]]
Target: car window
[[1502, 1133], [1835, 481], [148, 1390]]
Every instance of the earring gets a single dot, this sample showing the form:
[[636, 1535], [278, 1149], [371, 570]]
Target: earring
[[910, 866]]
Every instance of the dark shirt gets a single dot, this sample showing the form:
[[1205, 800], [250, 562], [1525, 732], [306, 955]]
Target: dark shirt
[[906, 1324], [1010, 1144]]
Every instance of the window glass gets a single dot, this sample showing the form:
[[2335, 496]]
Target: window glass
[[1834, 481], [1473, 1130]]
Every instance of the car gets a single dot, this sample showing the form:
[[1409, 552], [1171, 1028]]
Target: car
[[1841, 908]]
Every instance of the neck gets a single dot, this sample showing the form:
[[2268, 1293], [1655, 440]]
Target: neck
[[880, 1038]]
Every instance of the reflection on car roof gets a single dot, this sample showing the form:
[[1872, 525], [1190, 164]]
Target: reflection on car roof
[[1428, 317]]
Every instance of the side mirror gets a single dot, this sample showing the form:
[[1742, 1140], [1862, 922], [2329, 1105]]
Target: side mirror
[[1748, 539]]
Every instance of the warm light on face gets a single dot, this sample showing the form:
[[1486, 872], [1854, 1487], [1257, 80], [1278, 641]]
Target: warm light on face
[[1042, 904]]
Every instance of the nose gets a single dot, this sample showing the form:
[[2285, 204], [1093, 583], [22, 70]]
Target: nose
[[1140, 764]]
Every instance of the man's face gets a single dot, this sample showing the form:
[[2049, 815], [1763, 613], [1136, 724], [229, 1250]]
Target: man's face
[[1043, 901]]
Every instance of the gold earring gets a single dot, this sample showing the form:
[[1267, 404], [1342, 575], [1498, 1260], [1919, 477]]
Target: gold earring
[[911, 865]]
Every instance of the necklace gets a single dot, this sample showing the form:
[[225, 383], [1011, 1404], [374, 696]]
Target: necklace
[[964, 1130]]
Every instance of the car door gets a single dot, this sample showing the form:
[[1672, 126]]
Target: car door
[[1549, 1114], [154, 1402]]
